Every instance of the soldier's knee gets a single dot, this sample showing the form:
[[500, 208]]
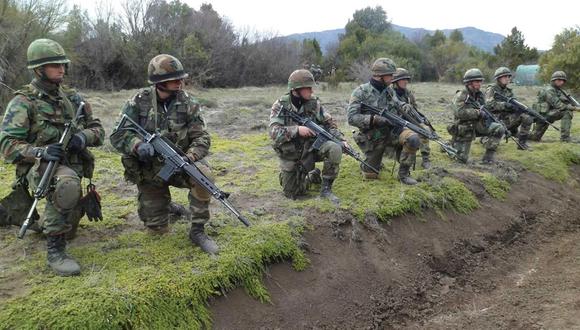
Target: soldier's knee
[[335, 153], [67, 193], [413, 142]]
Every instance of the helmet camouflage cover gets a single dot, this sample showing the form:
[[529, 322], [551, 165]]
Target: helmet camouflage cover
[[45, 51], [383, 66], [502, 72], [559, 75], [472, 75], [300, 79], [401, 74], [165, 68]]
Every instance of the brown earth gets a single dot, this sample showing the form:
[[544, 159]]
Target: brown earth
[[511, 264]]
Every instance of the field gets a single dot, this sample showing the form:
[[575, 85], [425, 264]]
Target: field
[[470, 246]]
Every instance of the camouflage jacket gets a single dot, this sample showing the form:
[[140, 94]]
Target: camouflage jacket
[[552, 98], [35, 118], [494, 105], [407, 96], [284, 131], [360, 118], [465, 107], [178, 118]]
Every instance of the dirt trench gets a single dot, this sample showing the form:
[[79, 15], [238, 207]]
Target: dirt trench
[[511, 264]]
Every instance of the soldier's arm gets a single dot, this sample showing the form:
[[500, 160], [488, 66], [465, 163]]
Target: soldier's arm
[[279, 132], [126, 142], [197, 133], [464, 111], [556, 103], [492, 103], [93, 130], [14, 132], [353, 111], [330, 124]]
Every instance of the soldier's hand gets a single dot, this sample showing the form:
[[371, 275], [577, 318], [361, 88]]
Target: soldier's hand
[[407, 108], [304, 131], [52, 152], [346, 145], [77, 143], [379, 121], [145, 151]]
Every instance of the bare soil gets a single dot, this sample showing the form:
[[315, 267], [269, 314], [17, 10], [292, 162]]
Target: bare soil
[[511, 264]]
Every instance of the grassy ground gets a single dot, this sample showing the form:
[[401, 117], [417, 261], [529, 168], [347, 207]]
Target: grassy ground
[[132, 280]]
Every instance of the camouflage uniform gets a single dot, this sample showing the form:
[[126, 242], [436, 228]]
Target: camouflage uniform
[[469, 124], [374, 141], [505, 111], [408, 96], [554, 105], [179, 119], [296, 160], [35, 118]]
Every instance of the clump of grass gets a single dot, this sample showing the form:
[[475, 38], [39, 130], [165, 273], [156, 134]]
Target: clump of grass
[[494, 186], [138, 281], [551, 160]]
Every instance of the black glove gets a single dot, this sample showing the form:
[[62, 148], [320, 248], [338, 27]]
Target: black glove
[[379, 121], [77, 143], [52, 152], [145, 151]]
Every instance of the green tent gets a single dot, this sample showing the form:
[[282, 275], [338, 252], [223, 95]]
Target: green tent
[[527, 75]]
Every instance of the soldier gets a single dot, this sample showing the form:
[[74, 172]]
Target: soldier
[[32, 126], [292, 142], [517, 123], [375, 133], [470, 122], [554, 105], [401, 79], [166, 108]]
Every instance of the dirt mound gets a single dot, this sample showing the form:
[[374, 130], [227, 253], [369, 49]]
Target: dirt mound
[[439, 271]]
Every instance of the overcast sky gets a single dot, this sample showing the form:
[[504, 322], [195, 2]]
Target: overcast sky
[[539, 23]]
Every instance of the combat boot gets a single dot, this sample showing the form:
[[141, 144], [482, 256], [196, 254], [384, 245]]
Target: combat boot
[[523, 140], [198, 237], [60, 262], [326, 191], [4, 220], [488, 157], [425, 162], [405, 175]]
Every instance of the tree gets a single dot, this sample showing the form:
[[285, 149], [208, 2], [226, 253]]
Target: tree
[[311, 52], [456, 36], [565, 56], [513, 51]]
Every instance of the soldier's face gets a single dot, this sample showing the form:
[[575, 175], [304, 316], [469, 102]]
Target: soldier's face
[[402, 84], [387, 79], [305, 93], [475, 85], [54, 72], [504, 80], [174, 85], [559, 82]]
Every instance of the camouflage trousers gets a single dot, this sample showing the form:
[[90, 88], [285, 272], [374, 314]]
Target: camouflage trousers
[[465, 133], [374, 150], [553, 115], [154, 198], [425, 148], [518, 124], [62, 212], [294, 173]]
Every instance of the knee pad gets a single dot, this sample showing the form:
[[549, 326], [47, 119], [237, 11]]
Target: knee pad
[[414, 141], [67, 193]]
